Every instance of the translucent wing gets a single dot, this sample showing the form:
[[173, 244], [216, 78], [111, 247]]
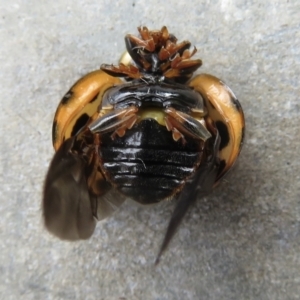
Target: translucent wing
[[199, 185], [70, 207]]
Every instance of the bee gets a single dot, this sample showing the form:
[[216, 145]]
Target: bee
[[146, 130]]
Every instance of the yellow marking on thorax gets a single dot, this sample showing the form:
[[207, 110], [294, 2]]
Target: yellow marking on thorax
[[152, 113]]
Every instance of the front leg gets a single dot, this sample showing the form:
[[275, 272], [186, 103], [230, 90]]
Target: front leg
[[117, 121], [183, 124]]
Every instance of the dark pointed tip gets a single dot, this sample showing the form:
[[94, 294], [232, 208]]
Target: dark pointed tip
[[161, 251], [157, 260]]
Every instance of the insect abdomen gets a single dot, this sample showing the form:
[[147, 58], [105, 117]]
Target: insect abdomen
[[153, 167]]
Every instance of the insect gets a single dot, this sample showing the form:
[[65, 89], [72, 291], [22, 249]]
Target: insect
[[157, 134]]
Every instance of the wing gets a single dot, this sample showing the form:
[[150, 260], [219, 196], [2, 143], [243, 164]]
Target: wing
[[79, 104], [226, 112], [198, 185], [71, 203]]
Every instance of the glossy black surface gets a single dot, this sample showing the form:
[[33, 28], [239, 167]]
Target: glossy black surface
[[146, 164], [155, 94]]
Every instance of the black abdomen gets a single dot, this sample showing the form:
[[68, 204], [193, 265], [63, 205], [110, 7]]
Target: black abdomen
[[146, 164]]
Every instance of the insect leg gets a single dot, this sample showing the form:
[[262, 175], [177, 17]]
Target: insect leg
[[172, 49], [117, 121], [122, 70], [133, 45], [180, 123]]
